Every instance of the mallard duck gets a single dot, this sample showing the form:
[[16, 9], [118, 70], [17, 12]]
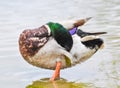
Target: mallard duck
[[53, 46]]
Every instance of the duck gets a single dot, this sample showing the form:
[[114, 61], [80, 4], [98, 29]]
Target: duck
[[58, 45]]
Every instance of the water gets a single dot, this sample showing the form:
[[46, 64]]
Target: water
[[102, 70]]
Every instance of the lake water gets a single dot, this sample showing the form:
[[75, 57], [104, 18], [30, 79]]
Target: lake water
[[102, 70]]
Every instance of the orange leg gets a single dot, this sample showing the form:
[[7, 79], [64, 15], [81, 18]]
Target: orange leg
[[57, 71]]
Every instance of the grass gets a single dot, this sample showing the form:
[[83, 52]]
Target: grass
[[45, 83]]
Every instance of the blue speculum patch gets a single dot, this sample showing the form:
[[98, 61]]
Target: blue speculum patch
[[73, 31]]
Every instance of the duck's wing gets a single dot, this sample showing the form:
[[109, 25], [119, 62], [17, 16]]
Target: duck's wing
[[31, 41], [83, 34], [70, 24]]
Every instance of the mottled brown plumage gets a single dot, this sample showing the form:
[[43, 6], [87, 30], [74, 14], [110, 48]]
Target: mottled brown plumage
[[31, 41]]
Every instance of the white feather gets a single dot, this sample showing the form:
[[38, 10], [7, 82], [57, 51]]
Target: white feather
[[48, 55], [49, 31], [67, 24], [79, 51]]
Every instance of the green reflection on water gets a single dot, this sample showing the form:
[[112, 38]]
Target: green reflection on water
[[62, 83]]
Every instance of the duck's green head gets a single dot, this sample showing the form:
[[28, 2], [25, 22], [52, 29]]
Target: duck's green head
[[61, 35]]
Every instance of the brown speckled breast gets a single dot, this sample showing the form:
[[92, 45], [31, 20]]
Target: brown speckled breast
[[32, 40]]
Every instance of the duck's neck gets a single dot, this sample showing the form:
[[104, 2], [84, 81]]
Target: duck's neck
[[61, 35]]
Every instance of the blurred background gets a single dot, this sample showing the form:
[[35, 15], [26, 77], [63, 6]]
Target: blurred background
[[102, 70]]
